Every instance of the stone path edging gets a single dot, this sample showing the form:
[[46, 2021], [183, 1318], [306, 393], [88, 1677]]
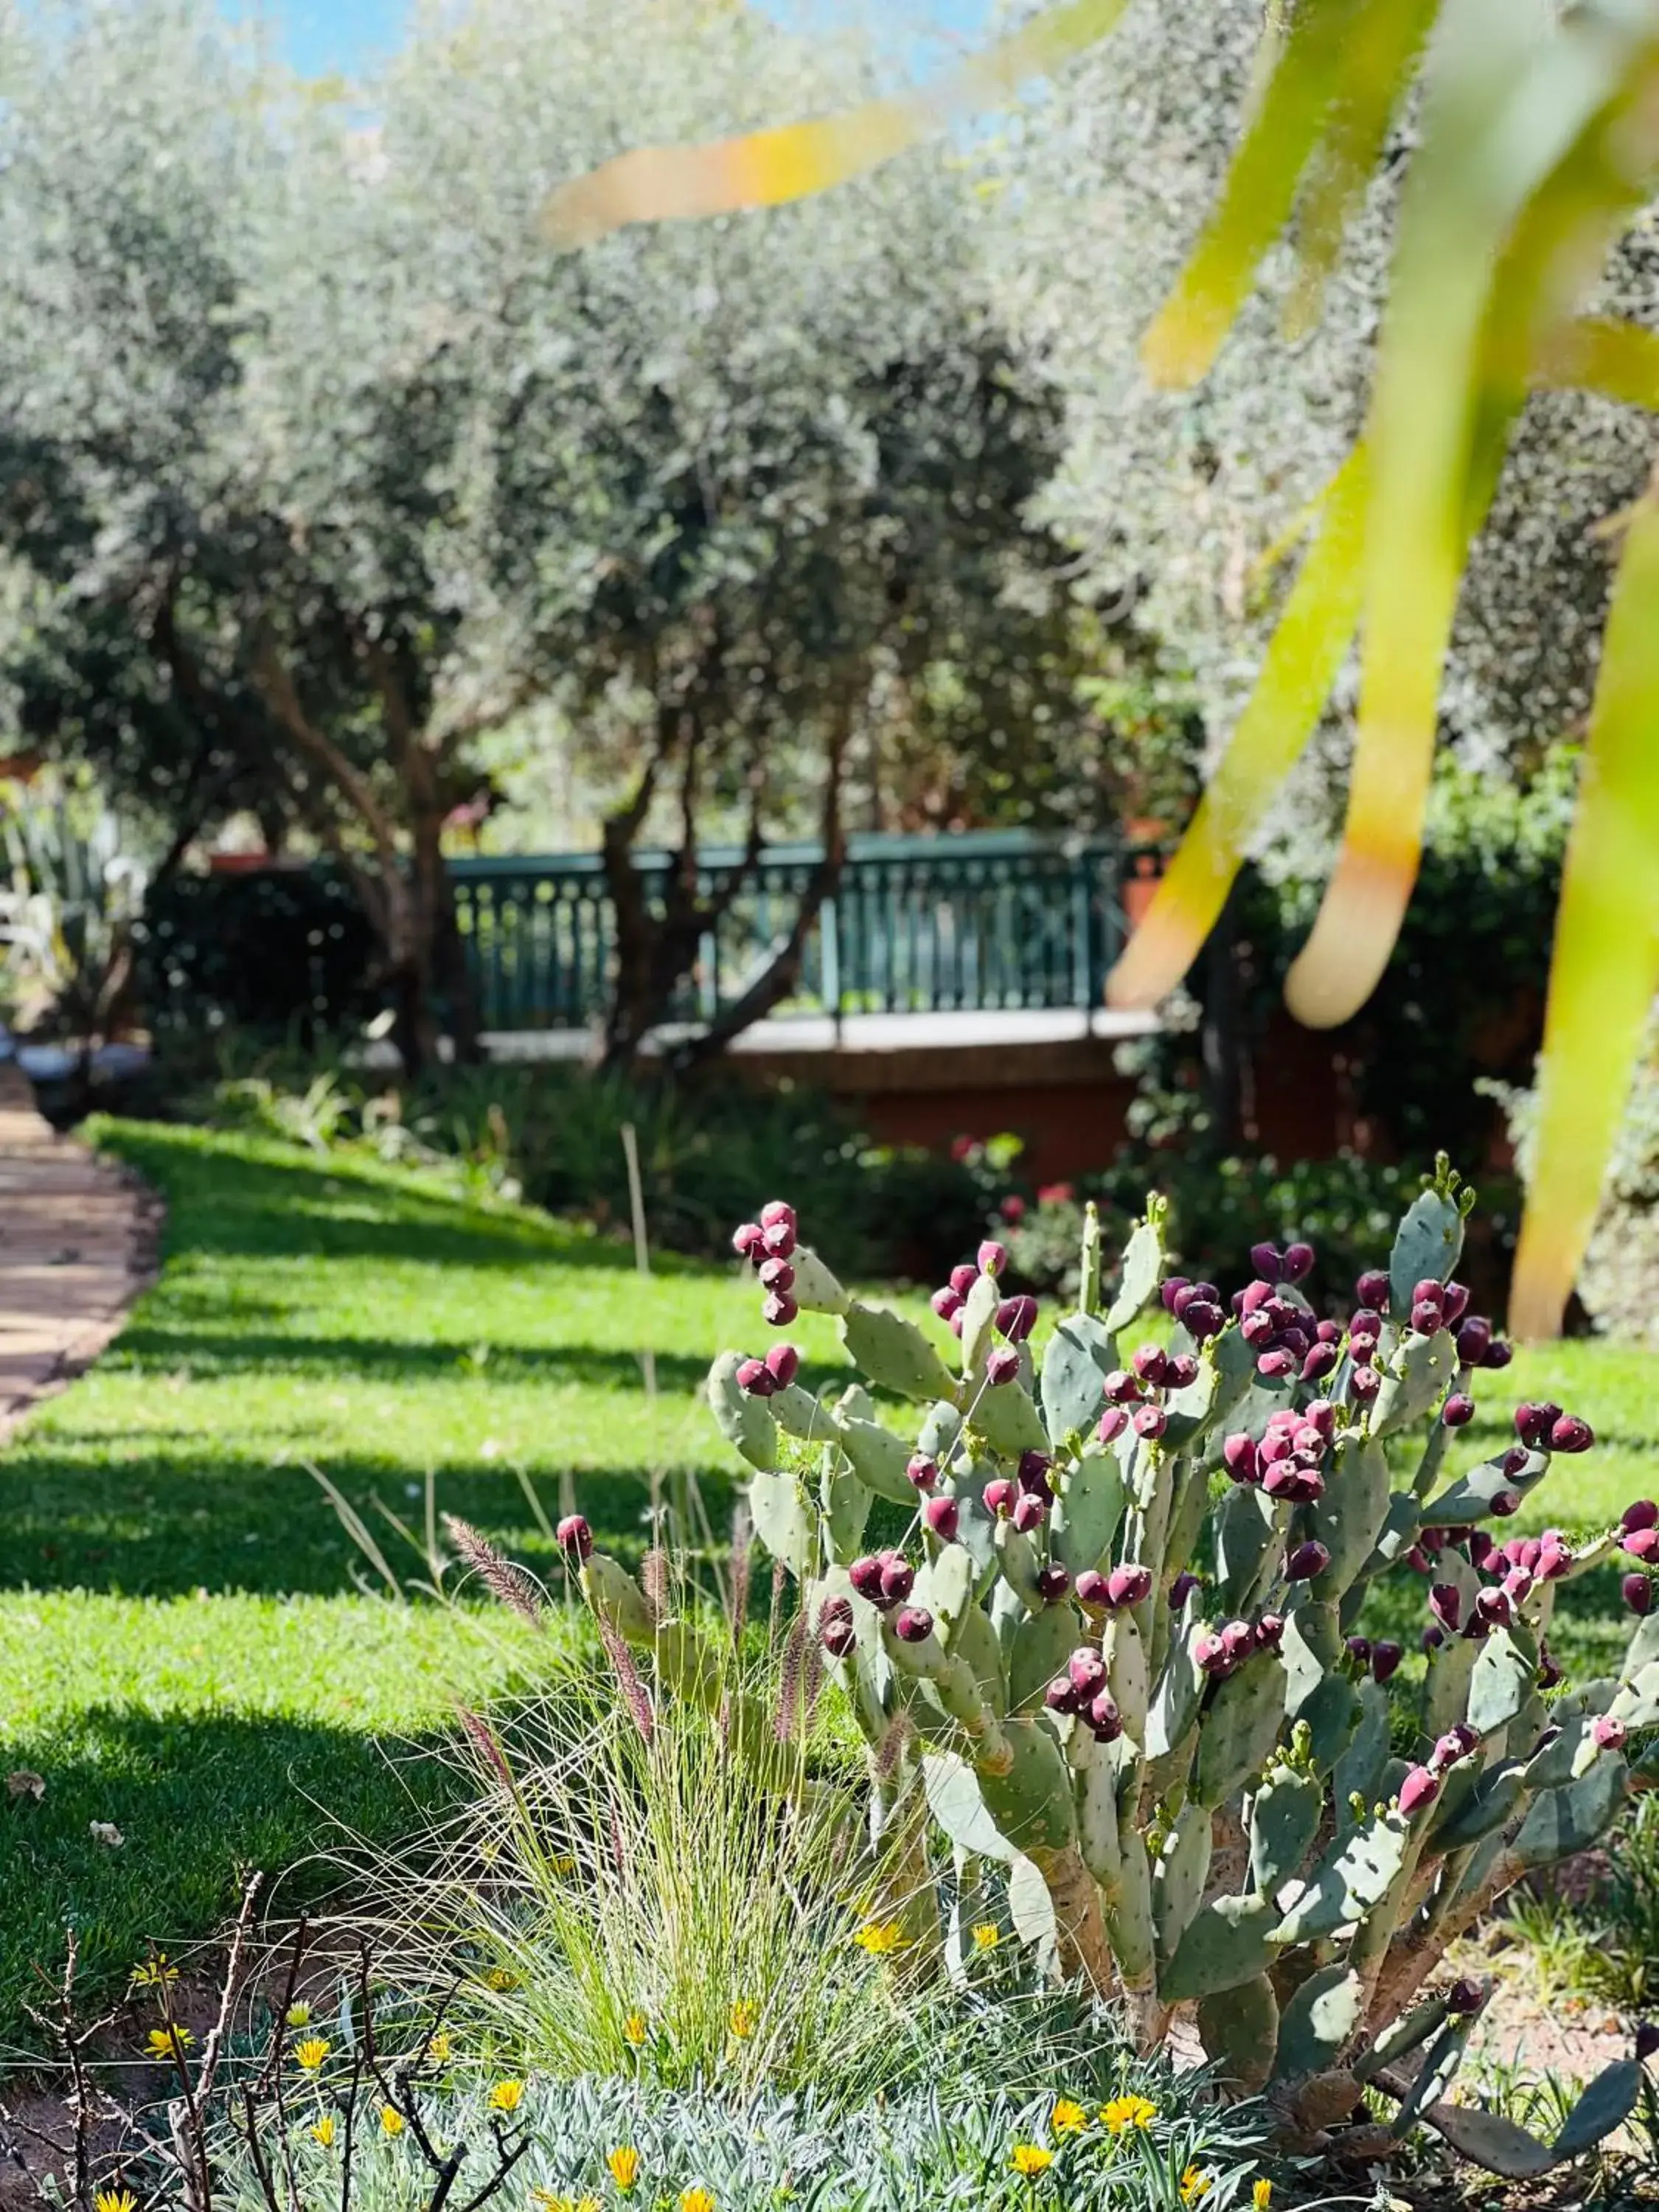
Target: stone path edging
[[78, 1238]]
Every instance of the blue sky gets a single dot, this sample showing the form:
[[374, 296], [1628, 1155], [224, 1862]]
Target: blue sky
[[321, 36]]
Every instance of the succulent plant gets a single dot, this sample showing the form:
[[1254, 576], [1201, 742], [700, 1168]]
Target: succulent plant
[[1121, 1650]]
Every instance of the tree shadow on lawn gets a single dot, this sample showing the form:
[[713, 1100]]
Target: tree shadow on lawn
[[157, 1526], [199, 1800]]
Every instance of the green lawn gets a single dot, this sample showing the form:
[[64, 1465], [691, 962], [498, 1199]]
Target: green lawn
[[183, 1649]]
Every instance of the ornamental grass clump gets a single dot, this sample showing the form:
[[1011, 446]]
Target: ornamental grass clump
[[1120, 1651]]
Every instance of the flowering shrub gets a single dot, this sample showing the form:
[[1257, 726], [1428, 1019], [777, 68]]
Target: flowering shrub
[[1121, 1650]]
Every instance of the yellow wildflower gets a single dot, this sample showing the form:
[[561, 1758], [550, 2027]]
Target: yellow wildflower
[[115, 2200], [506, 2097], [154, 1973], [987, 1936], [635, 2029], [878, 1938], [624, 2164], [1261, 2195], [391, 2120], [1031, 2160], [498, 1978], [1068, 2118], [744, 2016], [309, 2055], [322, 2132], [298, 2016], [437, 2048], [695, 2200], [1128, 2112], [564, 1866], [549, 2200], [1194, 2184], [168, 2042]]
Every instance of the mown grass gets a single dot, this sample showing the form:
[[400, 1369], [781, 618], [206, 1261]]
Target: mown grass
[[186, 1648]]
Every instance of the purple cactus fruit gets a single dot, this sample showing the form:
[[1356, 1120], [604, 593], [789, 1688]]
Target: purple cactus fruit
[[779, 1310], [835, 1609], [1554, 1561], [1296, 1340], [1518, 1586], [1505, 1501], [1033, 1471], [777, 1275], [779, 1240], [1282, 1479], [1278, 1444], [1515, 1461], [1480, 1545], [755, 1378], [1363, 1383], [1241, 1457], [1171, 1290], [1320, 1416], [1640, 1513], [1446, 1604], [1270, 1631], [1365, 1320], [946, 1302], [1425, 1317], [1327, 1331], [1419, 1561], [1180, 1370], [1016, 1317], [1533, 1423], [575, 1537], [1238, 1642], [1497, 1353], [1550, 1670], [999, 1496], [1151, 1362], [1418, 1791], [922, 1471], [1151, 1421], [964, 1278], [1265, 1258], [1061, 1696], [1121, 1388], [1456, 1743], [1435, 1540], [1465, 1996], [1203, 1319], [1180, 1590], [864, 1575], [1105, 1717], [1029, 1513], [1372, 1289], [1128, 1585], [778, 1212], [839, 1639], [1111, 1424], [1570, 1434], [1091, 1592], [1647, 2040], [1252, 1297], [746, 1239], [1496, 1606], [783, 1364], [1210, 1654], [1385, 1659], [1642, 1544], [1086, 1670], [915, 1625], [1256, 1328], [1002, 1364], [1474, 1338], [992, 1257], [1458, 1411], [1433, 1637], [898, 1579], [943, 1517], [1429, 1288], [1609, 1732], [1358, 1649], [1454, 1303], [1320, 1362], [1274, 1366], [1053, 1582], [1636, 1591], [1295, 1261], [1306, 1561]]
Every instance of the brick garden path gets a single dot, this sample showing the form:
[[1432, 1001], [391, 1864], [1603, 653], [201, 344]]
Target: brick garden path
[[77, 1237]]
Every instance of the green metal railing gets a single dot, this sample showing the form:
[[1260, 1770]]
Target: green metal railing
[[969, 921]]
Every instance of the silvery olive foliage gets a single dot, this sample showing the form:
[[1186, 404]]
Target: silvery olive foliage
[[1177, 497]]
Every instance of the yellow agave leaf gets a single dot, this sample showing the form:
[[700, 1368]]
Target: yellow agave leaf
[[1377, 62], [1256, 198], [1308, 647], [1605, 970], [764, 169], [1514, 141]]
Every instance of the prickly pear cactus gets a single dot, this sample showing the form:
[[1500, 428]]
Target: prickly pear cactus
[[1121, 1650]]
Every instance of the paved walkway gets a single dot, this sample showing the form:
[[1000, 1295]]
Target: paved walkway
[[77, 1239]]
